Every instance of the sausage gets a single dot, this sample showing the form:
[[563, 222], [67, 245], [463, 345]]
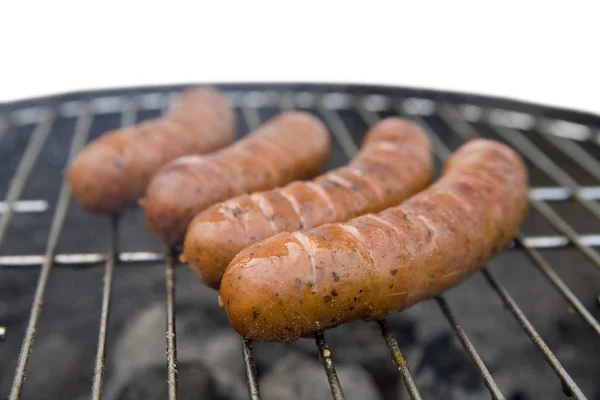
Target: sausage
[[294, 284], [394, 163], [112, 172], [290, 146]]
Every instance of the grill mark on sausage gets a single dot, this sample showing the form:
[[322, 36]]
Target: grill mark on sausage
[[225, 167], [275, 147], [458, 198], [192, 159], [397, 147], [481, 182], [343, 182], [265, 208], [368, 180], [230, 212], [282, 155], [295, 206], [383, 221], [306, 245], [243, 150], [359, 238], [431, 228], [315, 187]]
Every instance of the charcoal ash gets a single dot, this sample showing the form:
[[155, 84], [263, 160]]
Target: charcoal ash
[[298, 377], [196, 382], [202, 343]]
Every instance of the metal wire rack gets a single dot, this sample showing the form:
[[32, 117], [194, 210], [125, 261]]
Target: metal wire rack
[[522, 126]]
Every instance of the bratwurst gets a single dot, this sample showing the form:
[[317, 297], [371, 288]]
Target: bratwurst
[[293, 145], [394, 163], [112, 172], [294, 284]]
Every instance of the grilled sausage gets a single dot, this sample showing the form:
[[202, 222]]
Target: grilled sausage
[[112, 172], [294, 284], [395, 162], [290, 146]]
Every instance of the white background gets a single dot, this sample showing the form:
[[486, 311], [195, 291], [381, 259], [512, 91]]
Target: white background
[[528, 50]]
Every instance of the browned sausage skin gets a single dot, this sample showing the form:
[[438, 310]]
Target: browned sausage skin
[[112, 172], [394, 163], [294, 284], [293, 145]]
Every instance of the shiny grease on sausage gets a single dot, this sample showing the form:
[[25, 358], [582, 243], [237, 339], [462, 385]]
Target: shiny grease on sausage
[[294, 284], [290, 146], [112, 172], [394, 163]]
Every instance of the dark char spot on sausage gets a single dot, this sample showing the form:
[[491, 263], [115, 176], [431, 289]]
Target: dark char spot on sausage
[[336, 277], [334, 292], [255, 314], [393, 271]]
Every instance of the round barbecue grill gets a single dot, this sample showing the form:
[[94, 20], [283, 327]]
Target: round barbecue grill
[[525, 327]]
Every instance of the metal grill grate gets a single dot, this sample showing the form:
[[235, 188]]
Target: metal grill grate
[[522, 126]]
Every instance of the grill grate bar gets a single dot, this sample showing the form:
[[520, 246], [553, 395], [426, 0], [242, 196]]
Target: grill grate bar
[[339, 131], [557, 241], [171, 343], [253, 121], [106, 293], [575, 153], [4, 125], [2, 332], [570, 388], [325, 357], [133, 258], [25, 206], [286, 101], [252, 118], [560, 224], [127, 119], [28, 160], [399, 360], [468, 346], [79, 260], [250, 370], [543, 265], [546, 164], [79, 138]]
